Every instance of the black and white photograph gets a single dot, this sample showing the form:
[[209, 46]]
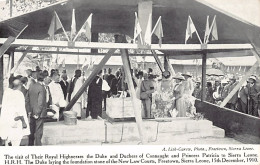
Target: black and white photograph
[[156, 81]]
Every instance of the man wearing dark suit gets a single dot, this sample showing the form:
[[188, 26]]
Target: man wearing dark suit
[[37, 96], [95, 97], [64, 84], [24, 81], [242, 99]]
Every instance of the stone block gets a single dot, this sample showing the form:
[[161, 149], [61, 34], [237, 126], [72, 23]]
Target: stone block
[[218, 132]]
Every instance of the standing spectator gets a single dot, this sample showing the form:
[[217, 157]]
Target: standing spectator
[[113, 85], [37, 95], [37, 69], [225, 86], [14, 121], [73, 82], [45, 73], [122, 87], [233, 101], [64, 84], [217, 91], [24, 81], [243, 98], [109, 79], [24, 90], [110, 76], [178, 92], [197, 90], [29, 77], [77, 84], [34, 77], [105, 74], [56, 94], [47, 80], [146, 89], [209, 93], [253, 93], [188, 84], [94, 106]]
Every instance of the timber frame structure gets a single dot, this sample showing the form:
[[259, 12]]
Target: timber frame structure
[[170, 50]]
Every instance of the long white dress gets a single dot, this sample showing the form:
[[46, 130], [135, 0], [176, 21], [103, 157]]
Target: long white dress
[[189, 99], [13, 105]]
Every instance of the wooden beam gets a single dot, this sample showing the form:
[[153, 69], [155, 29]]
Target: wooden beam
[[170, 66], [6, 44], [12, 57], [98, 45], [20, 60], [157, 61], [204, 81], [90, 79], [137, 109], [236, 88], [94, 38], [77, 53]]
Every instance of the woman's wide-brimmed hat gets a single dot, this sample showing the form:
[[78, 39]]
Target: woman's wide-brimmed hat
[[178, 76], [186, 74]]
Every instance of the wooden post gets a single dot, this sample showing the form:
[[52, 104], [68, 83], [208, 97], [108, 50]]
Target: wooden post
[[11, 7], [12, 57], [204, 81], [157, 60], [94, 38], [1, 78], [165, 64], [137, 109], [90, 79]]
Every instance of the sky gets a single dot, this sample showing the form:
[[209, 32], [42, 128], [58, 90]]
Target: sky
[[248, 10]]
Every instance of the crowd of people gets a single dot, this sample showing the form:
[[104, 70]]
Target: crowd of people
[[42, 95], [245, 100]]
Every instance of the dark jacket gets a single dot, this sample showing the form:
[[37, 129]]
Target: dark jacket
[[95, 89], [27, 99], [234, 99], [64, 87], [243, 92], [37, 96]]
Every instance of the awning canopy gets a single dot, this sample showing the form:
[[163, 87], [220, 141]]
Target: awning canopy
[[117, 16]]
